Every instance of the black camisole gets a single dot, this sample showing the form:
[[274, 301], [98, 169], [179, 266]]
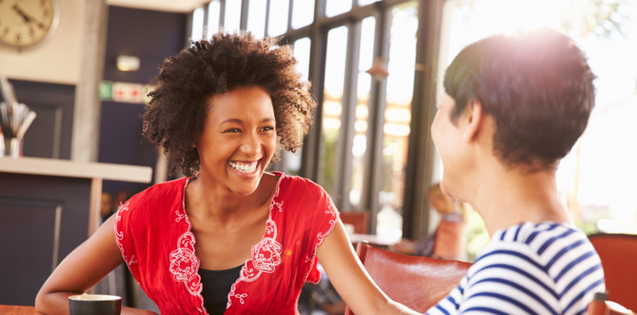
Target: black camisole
[[216, 286]]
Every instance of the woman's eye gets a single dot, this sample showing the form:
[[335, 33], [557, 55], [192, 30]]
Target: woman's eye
[[233, 130], [269, 128]]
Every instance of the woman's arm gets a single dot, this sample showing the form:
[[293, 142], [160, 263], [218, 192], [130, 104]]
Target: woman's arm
[[349, 278], [82, 269]]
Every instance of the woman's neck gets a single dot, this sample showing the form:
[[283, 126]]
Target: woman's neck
[[507, 197], [207, 197]]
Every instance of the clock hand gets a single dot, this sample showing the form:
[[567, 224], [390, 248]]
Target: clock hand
[[26, 17]]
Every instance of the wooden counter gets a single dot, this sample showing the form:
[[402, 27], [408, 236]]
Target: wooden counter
[[66, 168], [47, 208]]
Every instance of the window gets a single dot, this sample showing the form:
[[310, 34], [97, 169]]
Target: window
[[332, 108], [598, 178], [336, 7], [302, 13], [197, 24], [359, 162], [232, 16], [357, 148], [278, 21], [256, 17], [214, 12], [397, 116], [302, 55]]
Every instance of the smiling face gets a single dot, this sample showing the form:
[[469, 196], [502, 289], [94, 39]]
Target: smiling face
[[239, 139]]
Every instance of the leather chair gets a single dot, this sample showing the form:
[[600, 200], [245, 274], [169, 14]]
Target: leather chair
[[416, 281], [618, 253], [609, 308]]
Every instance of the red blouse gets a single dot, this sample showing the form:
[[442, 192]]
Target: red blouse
[[154, 235]]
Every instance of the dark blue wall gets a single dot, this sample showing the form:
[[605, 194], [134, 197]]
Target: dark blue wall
[[152, 36]]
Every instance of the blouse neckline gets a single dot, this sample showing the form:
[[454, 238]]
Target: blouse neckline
[[184, 214]]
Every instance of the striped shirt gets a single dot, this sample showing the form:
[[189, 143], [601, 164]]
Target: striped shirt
[[546, 268]]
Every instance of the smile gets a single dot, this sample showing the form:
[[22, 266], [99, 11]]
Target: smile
[[244, 167]]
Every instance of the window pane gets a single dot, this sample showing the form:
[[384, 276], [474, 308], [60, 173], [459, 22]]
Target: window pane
[[365, 2], [278, 22], [336, 7], [332, 105], [302, 13], [214, 11], [302, 55], [360, 142], [232, 16], [400, 84], [256, 17], [293, 162], [197, 25]]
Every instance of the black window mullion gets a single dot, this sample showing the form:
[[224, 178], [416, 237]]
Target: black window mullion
[[348, 115], [222, 14], [375, 134], [245, 8], [420, 158], [318, 50], [267, 18], [206, 16], [290, 12]]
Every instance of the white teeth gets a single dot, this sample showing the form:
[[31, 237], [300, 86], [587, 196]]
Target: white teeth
[[244, 167]]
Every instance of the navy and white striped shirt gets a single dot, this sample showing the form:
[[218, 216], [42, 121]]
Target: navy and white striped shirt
[[546, 268]]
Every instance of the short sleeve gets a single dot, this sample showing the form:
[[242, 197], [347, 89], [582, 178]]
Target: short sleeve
[[322, 220]]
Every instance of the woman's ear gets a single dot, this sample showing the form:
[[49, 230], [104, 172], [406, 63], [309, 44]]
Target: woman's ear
[[472, 119]]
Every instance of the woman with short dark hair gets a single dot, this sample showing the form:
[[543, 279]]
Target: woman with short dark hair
[[513, 107]]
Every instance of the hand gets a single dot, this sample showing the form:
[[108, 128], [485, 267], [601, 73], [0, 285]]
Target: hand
[[405, 246]]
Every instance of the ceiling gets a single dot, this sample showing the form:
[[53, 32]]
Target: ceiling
[[159, 5]]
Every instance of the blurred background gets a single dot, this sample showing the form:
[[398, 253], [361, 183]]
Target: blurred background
[[376, 69]]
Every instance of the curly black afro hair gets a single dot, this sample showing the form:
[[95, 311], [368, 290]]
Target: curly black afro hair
[[179, 105]]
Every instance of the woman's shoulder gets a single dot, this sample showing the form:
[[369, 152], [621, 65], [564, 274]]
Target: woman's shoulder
[[542, 240], [298, 184], [160, 194]]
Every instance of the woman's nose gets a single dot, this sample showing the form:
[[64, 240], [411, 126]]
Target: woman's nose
[[252, 145]]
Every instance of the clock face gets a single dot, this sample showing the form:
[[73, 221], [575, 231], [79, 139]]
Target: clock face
[[25, 23]]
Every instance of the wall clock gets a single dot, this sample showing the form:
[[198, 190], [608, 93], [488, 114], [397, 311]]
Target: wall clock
[[25, 23]]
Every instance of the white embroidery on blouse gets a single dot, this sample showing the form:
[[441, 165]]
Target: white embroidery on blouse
[[266, 254], [119, 235], [184, 264], [321, 236]]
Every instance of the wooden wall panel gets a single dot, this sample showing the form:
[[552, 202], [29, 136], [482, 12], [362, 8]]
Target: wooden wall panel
[[42, 219], [50, 133]]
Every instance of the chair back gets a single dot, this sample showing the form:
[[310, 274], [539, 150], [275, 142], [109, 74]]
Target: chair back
[[607, 308], [618, 253], [418, 282], [360, 221]]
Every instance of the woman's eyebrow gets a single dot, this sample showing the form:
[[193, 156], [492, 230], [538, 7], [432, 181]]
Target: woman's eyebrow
[[239, 121]]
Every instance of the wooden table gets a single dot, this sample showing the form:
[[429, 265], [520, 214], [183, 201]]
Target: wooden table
[[17, 310]]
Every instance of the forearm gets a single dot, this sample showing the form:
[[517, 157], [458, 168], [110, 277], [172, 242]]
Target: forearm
[[396, 308], [53, 303]]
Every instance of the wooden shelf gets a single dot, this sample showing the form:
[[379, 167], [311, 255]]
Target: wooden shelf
[[66, 168]]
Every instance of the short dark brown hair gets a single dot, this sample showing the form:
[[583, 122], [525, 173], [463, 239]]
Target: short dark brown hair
[[538, 88], [179, 105]]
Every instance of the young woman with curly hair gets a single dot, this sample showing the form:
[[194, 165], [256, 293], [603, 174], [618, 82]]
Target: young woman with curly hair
[[229, 238]]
